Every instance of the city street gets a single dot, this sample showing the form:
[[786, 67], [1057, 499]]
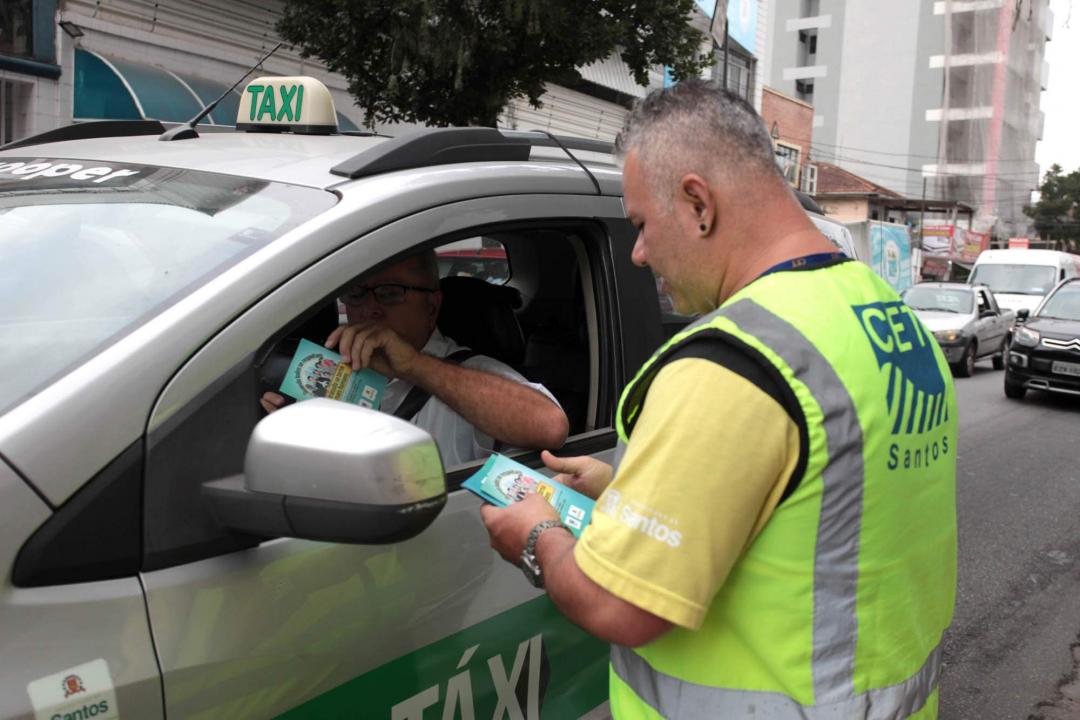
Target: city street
[[312, 267], [1018, 601]]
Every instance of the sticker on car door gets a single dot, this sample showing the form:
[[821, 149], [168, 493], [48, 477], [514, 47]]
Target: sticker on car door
[[83, 692]]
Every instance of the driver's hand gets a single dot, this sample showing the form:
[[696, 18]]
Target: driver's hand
[[373, 346], [271, 401]]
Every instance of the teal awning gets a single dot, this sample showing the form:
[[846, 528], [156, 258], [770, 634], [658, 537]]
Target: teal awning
[[111, 89]]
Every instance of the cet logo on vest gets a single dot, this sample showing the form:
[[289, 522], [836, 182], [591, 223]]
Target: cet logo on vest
[[904, 350]]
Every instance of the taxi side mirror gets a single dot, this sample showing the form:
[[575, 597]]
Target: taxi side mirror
[[332, 471], [1022, 315]]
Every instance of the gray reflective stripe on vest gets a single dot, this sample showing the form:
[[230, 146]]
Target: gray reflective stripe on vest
[[836, 555], [836, 565], [620, 452], [674, 698]]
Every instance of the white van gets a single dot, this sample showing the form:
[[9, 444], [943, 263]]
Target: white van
[[1021, 278]]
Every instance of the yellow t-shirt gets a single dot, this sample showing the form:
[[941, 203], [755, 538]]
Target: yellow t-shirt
[[707, 463]]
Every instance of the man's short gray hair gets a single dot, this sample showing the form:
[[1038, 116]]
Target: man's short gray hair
[[696, 126], [428, 261]]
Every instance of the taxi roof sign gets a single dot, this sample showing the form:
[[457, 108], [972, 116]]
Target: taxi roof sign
[[276, 104]]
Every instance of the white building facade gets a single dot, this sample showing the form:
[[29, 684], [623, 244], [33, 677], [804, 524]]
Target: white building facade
[[942, 91], [73, 60]]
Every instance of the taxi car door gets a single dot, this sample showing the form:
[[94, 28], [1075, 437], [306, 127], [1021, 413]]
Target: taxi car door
[[254, 628], [69, 648]]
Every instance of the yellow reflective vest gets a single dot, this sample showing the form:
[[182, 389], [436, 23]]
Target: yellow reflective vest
[[838, 607]]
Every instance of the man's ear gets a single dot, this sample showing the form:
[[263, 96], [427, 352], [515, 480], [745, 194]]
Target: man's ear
[[697, 203]]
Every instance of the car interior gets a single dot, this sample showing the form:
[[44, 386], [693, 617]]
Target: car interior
[[531, 310]]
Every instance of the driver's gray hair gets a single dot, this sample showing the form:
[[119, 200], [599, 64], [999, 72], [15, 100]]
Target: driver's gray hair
[[428, 261], [696, 127]]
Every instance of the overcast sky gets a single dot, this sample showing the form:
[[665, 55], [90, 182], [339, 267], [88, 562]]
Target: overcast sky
[[1061, 100]]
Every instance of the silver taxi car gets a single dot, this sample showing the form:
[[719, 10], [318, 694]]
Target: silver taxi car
[[169, 552]]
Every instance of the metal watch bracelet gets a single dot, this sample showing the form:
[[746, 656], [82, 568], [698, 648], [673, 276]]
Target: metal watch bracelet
[[529, 564]]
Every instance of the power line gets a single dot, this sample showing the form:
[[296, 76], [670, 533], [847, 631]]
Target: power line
[[841, 158], [838, 159], [911, 155]]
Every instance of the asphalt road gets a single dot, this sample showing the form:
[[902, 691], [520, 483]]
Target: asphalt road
[[1010, 651]]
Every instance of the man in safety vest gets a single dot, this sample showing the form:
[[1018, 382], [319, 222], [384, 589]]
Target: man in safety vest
[[778, 538]]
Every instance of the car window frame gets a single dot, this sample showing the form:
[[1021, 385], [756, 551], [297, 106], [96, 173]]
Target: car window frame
[[327, 273]]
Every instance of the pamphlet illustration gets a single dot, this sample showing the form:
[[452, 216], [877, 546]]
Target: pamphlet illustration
[[502, 482], [316, 371]]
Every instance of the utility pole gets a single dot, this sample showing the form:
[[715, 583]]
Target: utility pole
[[726, 39], [922, 215]]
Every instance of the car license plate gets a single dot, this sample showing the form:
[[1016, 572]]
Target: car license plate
[[1065, 368]]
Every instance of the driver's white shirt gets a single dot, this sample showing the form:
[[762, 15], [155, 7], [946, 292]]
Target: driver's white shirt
[[459, 442]]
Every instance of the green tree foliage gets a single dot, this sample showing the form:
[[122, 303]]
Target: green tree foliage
[[459, 62], [1057, 214]]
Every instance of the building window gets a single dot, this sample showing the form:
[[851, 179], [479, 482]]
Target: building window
[[28, 37], [787, 157], [16, 28], [740, 74]]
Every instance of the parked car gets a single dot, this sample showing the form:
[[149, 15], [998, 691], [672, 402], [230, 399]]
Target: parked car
[[966, 321], [1020, 278], [1045, 350]]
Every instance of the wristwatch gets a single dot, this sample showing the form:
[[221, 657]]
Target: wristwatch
[[528, 562]]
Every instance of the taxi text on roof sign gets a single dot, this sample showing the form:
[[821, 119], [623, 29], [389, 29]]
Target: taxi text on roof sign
[[276, 104]]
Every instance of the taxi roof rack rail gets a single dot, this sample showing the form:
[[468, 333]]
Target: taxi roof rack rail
[[542, 138], [434, 146], [443, 146], [89, 131], [808, 203]]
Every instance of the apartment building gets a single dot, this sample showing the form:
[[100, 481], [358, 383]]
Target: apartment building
[[930, 98]]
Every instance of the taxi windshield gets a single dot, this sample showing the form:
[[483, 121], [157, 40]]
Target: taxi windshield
[[84, 263]]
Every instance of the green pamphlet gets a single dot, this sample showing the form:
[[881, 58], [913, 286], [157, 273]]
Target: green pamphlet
[[316, 371], [502, 482]]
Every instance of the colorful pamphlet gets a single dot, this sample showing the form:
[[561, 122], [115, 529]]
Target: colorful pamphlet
[[502, 482], [316, 371]]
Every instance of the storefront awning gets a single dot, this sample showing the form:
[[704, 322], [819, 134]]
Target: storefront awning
[[110, 89]]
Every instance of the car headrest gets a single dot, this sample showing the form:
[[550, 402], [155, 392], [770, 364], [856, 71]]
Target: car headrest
[[480, 316]]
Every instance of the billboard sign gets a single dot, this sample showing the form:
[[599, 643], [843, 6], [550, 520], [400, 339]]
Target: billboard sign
[[890, 254], [955, 242], [968, 244]]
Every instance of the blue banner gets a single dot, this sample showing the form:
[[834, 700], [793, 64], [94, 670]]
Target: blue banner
[[890, 254]]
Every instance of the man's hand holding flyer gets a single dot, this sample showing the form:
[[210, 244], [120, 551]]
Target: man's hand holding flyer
[[316, 371], [502, 482]]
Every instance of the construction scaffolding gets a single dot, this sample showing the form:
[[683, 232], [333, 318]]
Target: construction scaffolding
[[990, 120]]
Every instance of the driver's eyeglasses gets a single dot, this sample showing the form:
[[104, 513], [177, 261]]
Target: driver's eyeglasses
[[389, 294]]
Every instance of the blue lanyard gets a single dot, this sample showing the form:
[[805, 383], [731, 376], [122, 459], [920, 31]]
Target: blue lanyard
[[805, 262]]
